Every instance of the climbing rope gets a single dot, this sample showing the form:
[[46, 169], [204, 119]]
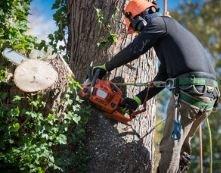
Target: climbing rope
[[210, 145], [165, 10], [201, 148]]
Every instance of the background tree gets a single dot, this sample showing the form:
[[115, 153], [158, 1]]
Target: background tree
[[92, 37]]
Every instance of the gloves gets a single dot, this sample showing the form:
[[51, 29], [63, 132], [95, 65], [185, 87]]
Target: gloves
[[130, 105], [102, 69]]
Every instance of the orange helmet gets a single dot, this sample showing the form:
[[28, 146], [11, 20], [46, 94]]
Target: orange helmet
[[135, 7]]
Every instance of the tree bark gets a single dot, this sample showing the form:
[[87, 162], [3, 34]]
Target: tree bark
[[113, 147]]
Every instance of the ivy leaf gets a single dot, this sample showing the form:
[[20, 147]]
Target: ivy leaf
[[14, 127], [76, 119], [99, 15], [17, 98], [40, 170], [35, 103], [14, 112], [62, 139], [52, 118], [45, 136], [112, 38]]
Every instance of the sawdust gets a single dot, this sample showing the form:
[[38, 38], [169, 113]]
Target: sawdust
[[110, 153]]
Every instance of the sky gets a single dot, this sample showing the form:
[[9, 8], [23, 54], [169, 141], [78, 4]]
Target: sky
[[41, 16]]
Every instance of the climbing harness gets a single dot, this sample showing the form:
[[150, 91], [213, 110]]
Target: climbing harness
[[186, 80], [210, 85], [175, 85]]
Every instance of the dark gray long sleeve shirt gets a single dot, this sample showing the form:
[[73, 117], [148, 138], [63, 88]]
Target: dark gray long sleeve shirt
[[178, 50]]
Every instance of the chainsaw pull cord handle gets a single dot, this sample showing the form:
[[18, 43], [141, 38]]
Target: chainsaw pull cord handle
[[97, 72]]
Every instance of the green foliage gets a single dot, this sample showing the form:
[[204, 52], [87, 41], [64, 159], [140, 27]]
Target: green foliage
[[29, 137], [3, 74], [100, 15], [110, 37], [60, 17], [108, 41], [13, 22], [73, 156]]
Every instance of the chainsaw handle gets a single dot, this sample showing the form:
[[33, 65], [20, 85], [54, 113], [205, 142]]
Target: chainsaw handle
[[115, 88], [97, 72], [135, 113]]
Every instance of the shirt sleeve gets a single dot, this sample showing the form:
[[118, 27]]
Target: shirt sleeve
[[140, 45], [151, 92]]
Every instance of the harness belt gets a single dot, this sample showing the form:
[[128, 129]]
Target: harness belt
[[196, 78], [197, 81], [200, 79]]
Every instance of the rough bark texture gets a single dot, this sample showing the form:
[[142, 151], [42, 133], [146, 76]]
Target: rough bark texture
[[112, 147]]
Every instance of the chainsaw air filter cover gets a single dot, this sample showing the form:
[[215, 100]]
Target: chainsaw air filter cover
[[106, 96]]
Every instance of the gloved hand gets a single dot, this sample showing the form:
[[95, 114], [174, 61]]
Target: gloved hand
[[129, 105], [102, 69]]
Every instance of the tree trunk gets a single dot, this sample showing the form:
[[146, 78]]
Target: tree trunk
[[113, 147]]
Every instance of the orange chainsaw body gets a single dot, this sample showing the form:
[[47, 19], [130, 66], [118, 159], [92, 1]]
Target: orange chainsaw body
[[106, 97]]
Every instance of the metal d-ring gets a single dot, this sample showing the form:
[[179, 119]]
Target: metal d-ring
[[170, 83]]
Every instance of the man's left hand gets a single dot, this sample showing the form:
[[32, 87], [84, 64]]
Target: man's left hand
[[102, 69]]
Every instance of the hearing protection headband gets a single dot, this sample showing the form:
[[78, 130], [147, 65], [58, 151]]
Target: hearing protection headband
[[138, 22]]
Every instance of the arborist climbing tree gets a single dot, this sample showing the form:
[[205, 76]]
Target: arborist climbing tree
[[185, 67]]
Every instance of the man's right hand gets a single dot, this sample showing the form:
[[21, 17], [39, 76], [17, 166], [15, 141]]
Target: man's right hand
[[102, 69], [129, 105]]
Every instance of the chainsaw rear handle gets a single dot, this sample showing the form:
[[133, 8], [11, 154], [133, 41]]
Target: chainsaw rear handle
[[93, 82], [115, 88]]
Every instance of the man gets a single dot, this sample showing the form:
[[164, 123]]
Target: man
[[183, 61]]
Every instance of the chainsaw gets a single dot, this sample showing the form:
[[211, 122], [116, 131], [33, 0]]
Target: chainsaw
[[105, 96]]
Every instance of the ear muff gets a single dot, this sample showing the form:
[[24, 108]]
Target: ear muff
[[153, 9], [138, 23]]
